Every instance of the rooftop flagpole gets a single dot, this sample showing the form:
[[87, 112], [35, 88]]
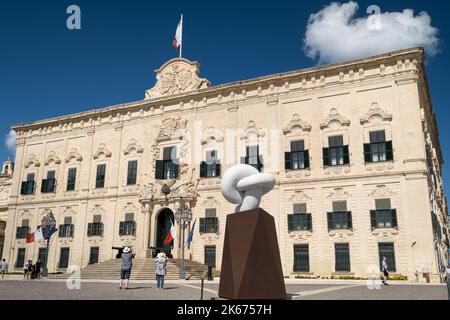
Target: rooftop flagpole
[[181, 40]]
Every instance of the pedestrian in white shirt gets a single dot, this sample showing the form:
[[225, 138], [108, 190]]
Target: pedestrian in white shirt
[[385, 271], [4, 268]]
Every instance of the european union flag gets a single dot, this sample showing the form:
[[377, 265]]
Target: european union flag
[[191, 235], [50, 233]]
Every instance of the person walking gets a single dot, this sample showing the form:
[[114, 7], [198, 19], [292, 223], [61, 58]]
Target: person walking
[[3, 268], [38, 269], [385, 270], [127, 265], [161, 264]]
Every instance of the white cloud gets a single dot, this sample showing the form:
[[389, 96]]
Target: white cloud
[[334, 34], [10, 142]]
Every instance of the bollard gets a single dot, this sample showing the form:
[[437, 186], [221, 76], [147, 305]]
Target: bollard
[[203, 284]]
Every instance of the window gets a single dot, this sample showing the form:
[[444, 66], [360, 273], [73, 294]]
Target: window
[[28, 186], [340, 218], [71, 179], [64, 258], [253, 158], [24, 230], [95, 228], [387, 250], [132, 173], [211, 167], [209, 224], [93, 256], [66, 229], [128, 227], [20, 261], [378, 150], [336, 154], [300, 220], [167, 168], [210, 256], [342, 253], [49, 184], [100, 178], [42, 255], [383, 217], [301, 258], [298, 158]]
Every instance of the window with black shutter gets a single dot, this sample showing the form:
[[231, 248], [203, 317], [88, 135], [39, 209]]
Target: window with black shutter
[[209, 224], [383, 217], [340, 218], [95, 228], [20, 261], [300, 220], [49, 184], [301, 258], [253, 158], [100, 177], [71, 179], [210, 256], [132, 173], [298, 158], [42, 255], [342, 256], [387, 250], [168, 168], [64, 258], [66, 230], [24, 230], [378, 150], [336, 154], [128, 227], [28, 186], [211, 167]]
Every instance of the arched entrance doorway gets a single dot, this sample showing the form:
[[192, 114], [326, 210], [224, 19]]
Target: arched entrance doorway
[[163, 224]]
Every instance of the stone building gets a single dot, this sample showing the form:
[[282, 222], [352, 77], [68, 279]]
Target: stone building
[[5, 189], [354, 147]]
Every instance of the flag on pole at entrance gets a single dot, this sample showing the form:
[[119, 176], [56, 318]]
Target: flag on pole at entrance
[[178, 40], [191, 235], [35, 236], [171, 236], [50, 233]]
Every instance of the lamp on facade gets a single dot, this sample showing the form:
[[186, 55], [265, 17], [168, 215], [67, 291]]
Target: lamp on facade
[[184, 216], [48, 224]]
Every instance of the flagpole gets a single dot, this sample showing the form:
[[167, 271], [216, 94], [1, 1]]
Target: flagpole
[[181, 40]]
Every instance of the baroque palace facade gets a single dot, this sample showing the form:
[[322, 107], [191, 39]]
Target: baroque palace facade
[[354, 147]]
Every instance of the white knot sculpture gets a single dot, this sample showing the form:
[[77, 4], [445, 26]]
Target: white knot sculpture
[[244, 185]]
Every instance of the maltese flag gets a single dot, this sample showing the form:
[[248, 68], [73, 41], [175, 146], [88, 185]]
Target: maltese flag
[[172, 235], [178, 40]]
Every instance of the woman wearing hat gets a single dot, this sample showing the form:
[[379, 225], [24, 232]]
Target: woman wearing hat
[[161, 263], [127, 264]]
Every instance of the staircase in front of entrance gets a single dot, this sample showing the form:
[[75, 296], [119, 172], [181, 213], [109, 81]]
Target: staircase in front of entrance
[[143, 269]]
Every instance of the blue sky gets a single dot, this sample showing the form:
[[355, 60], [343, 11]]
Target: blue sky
[[47, 70]]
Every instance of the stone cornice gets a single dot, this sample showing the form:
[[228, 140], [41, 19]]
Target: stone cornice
[[232, 93]]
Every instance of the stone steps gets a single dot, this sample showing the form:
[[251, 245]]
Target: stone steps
[[143, 269]]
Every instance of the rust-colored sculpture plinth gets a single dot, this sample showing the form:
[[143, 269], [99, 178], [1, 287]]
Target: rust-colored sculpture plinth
[[251, 264]]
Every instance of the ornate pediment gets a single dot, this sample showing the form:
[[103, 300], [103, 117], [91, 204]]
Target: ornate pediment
[[334, 117], [376, 113], [133, 146], [295, 125], [338, 193], [74, 155], [52, 158], [299, 196], [32, 162], [177, 76], [252, 131], [102, 151]]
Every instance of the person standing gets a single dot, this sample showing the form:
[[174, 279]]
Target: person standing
[[161, 264], [127, 265], [38, 269], [385, 270], [27, 269], [4, 268]]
